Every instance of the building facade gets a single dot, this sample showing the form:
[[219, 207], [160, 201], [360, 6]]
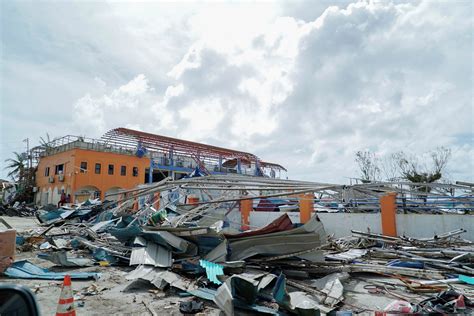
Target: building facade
[[85, 173], [123, 159]]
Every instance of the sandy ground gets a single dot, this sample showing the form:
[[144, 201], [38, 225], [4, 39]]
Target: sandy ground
[[112, 300]]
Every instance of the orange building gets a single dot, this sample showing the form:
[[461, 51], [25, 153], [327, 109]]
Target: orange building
[[123, 159], [85, 173]]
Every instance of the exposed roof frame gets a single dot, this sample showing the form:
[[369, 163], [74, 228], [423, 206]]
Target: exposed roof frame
[[127, 137]]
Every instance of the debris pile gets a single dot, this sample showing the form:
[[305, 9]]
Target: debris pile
[[189, 249], [17, 209]]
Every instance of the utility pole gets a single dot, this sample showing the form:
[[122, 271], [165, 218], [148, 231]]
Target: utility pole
[[27, 140]]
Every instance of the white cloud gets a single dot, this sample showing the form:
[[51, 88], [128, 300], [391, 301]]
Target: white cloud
[[301, 85], [201, 118], [127, 105]]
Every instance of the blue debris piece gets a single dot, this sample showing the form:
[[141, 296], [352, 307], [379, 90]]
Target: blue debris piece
[[50, 215], [26, 270], [212, 271], [141, 150], [62, 213], [191, 268], [75, 244], [197, 173], [466, 279], [127, 234], [20, 240], [101, 254], [82, 212], [406, 264], [279, 291]]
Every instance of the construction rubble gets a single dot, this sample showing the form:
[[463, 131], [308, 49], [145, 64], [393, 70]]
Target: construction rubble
[[189, 250]]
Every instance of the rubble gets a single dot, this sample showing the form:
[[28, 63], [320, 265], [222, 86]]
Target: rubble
[[279, 268], [17, 209]]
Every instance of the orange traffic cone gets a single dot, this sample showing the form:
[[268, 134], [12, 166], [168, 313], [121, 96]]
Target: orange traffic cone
[[66, 301]]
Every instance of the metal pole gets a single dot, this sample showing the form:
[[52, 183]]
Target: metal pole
[[27, 140], [239, 168], [150, 171]]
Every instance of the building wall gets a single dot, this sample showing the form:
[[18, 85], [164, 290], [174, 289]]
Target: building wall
[[51, 192], [77, 180], [103, 181]]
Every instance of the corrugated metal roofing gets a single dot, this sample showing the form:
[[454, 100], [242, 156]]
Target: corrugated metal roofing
[[152, 254], [165, 238]]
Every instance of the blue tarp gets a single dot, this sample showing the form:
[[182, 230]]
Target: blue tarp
[[26, 270]]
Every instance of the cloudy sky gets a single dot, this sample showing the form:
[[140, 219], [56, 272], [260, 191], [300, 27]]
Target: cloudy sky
[[301, 83]]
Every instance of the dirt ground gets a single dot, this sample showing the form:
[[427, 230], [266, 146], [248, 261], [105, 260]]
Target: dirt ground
[[111, 300]]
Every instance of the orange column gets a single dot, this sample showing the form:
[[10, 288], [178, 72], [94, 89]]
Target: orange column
[[135, 203], [306, 204], [388, 210], [245, 209], [157, 200], [193, 200]]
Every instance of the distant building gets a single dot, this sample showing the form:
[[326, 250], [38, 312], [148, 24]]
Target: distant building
[[123, 158]]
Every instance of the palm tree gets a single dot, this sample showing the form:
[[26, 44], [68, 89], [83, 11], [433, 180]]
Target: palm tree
[[45, 143], [17, 166]]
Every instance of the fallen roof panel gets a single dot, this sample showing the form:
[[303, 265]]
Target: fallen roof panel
[[152, 254], [26, 270]]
